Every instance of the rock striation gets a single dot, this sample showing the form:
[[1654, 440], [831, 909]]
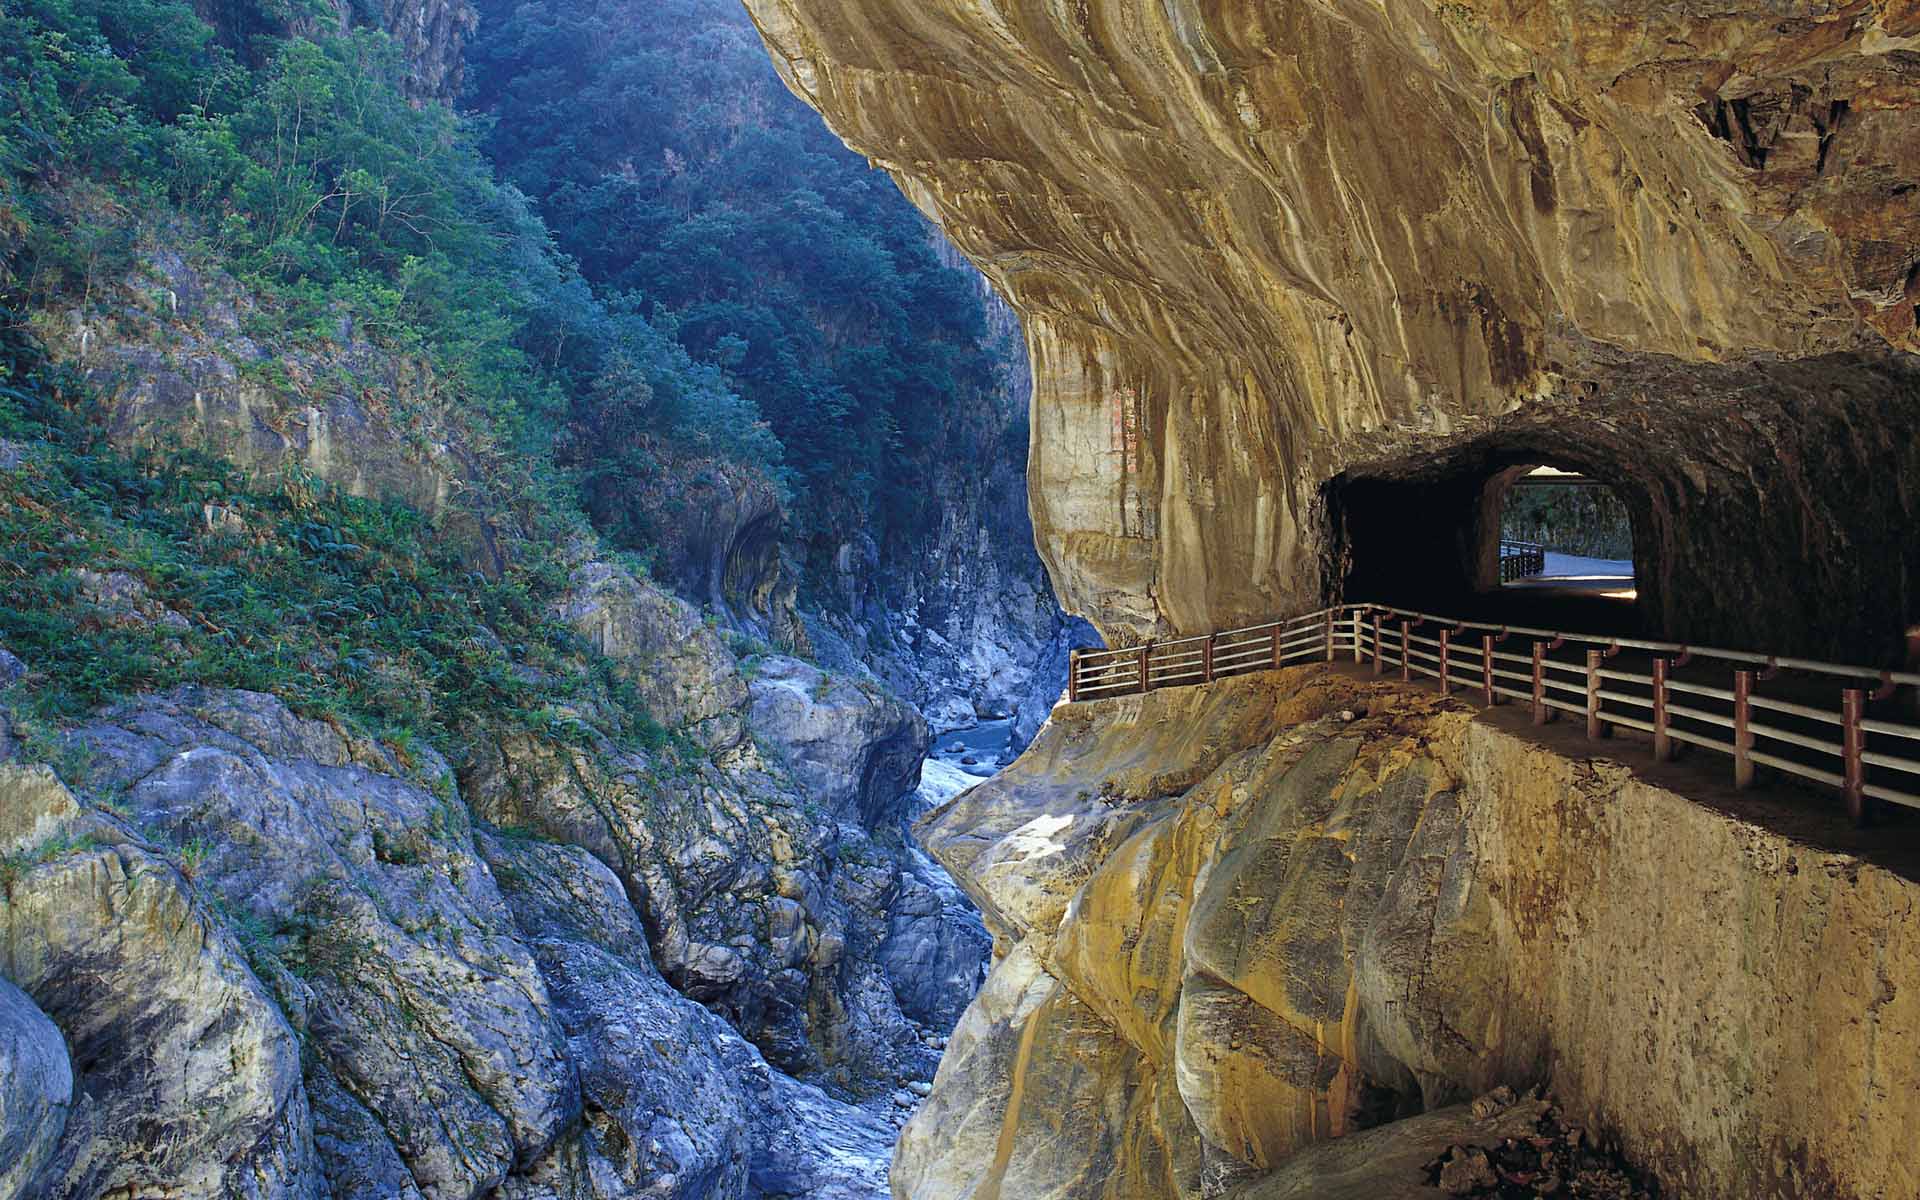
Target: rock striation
[[1234, 922], [1276, 260], [856, 749], [259, 954], [36, 1094], [184, 1075]]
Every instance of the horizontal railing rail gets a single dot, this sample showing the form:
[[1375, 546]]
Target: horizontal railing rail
[[1818, 721], [1518, 560]]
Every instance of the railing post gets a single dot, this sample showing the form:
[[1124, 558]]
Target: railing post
[[1406, 643], [1446, 645], [1073, 676], [1662, 744], [1595, 729], [1276, 645], [1742, 731], [1206, 658], [1539, 683], [1379, 663], [1146, 655], [1329, 635], [1853, 703], [1486, 670], [1359, 655]]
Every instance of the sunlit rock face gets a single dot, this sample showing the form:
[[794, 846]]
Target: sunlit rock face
[[1241, 921], [1262, 248]]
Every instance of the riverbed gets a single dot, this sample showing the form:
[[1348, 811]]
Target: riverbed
[[979, 751]]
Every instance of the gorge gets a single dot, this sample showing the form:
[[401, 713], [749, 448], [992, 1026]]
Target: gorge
[[498, 507], [1302, 282]]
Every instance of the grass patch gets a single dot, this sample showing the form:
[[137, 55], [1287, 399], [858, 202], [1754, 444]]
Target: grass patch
[[348, 609]]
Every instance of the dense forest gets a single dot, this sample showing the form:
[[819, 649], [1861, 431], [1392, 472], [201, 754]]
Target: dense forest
[[634, 248], [1589, 521], [623, 258], [688, 186]]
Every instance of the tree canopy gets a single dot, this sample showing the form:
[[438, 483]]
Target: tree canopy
[[678, 173], [635, 247]]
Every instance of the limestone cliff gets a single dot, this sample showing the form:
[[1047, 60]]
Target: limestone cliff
[[253, 944], [1276, 260], [962, 621], [1240, 920]]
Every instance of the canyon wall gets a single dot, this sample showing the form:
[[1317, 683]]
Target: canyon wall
[[249, 952], [1238, 920], [249, 945], [962, 621], [1269, 254]]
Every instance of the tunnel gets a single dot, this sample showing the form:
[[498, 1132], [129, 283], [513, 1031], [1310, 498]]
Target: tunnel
[[1772, 507], [1430, 537], [1560, 531]]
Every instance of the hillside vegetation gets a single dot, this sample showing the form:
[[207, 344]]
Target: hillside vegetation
[[686, 182], [730, 296], [728, 288]]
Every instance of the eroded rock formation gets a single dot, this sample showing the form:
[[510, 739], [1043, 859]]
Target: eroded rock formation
[[184, 1076], [258, 954], [37, 1091], [1236, 921], [1266, 253]]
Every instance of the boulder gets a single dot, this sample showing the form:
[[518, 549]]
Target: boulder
[[672, 1097], [382, 931], [36, 1089], [854, 749], [660, 645], [677, 1104], [759, 901], [936, 949], [186, 1078]]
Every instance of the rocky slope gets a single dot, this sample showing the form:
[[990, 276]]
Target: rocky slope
[[291, 961], [1233, 922], [259, 951], [1299, 278], [964, 626]]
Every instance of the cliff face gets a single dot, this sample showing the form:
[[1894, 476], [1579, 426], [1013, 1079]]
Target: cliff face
[[1301, 284], [1239, 920], [962, 622], [1275, 259], [246, 949]]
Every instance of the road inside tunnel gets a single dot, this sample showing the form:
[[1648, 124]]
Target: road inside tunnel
[[1433, 538], [1763, 505]]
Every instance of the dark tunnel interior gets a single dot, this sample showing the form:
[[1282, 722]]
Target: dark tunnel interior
[[1769, 510], [1430, 540]]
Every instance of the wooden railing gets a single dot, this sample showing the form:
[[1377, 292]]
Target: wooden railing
[[1817, 721], [1102, 674], [1518, 560]]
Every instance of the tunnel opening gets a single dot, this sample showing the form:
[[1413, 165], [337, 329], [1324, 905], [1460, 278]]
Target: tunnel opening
[[1771, 508], [1514, 533], [1563, 530]]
